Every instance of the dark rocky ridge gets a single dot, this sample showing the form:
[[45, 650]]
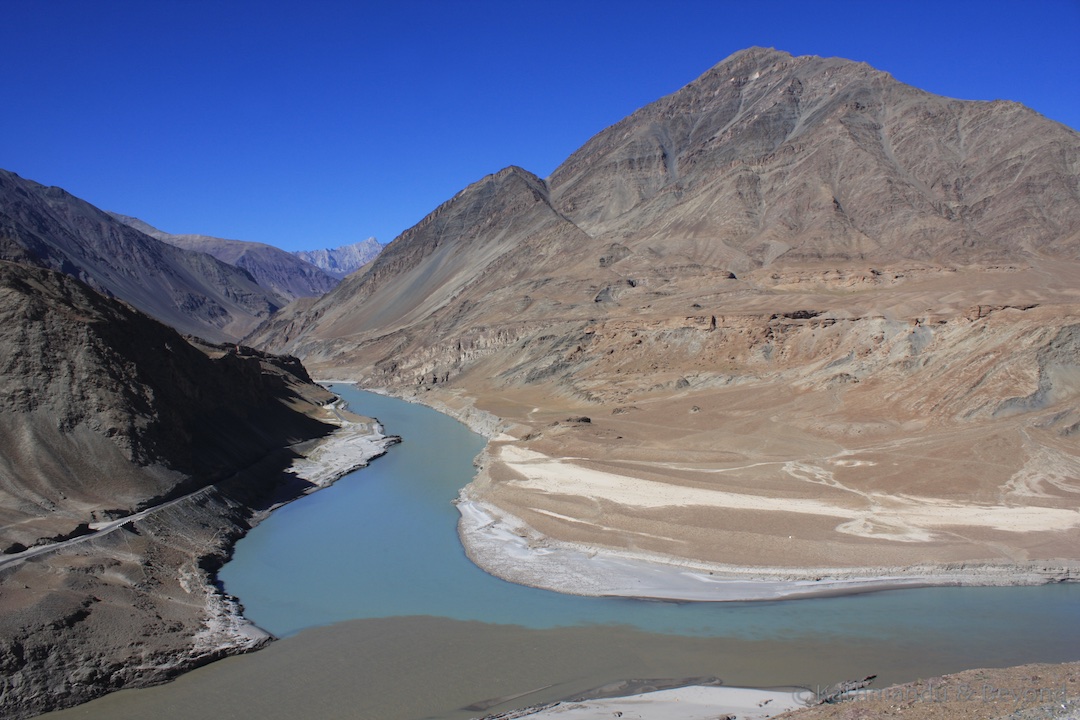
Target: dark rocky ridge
[[191, 291], [285, 274], [74, 364], [107, 412]]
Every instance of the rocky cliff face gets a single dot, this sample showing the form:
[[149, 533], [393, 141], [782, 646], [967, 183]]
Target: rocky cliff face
[[281, 273], [796, 276], [106, 412], [191, 291]]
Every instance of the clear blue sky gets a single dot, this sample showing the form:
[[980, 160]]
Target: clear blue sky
[[317, 124]]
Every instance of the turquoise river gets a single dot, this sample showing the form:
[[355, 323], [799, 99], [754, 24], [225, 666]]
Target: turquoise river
[[381, 615]]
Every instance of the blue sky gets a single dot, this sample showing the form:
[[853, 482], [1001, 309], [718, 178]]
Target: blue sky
[[319, 124]]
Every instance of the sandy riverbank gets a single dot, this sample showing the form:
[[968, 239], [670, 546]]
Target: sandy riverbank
[[508, 548], [520, 551], [583, 508], [357, 441]]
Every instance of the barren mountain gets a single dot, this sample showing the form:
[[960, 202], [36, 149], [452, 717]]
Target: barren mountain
[[107, 412], [796, 314], [192, 291], [344, 260], [280, 272]]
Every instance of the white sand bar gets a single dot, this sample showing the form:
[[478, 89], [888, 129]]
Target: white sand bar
[[901, 518], [506, 547], [688, 703], [348, 448]]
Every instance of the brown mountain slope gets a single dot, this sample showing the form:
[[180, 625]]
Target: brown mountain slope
[[191, 291], [282, 273], [797, 299], [453, 254], [767, 157]]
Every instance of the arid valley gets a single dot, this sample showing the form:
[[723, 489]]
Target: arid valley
[[773, 320], [797, 330]]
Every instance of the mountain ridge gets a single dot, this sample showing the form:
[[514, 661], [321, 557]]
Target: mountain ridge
[[132, 459], [77, 362], [800, 93], [282, 273], [743, 233], [48, 227]]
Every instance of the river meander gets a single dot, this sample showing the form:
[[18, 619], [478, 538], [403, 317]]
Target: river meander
[[383, 616]]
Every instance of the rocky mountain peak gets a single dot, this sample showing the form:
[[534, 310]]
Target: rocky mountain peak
[[481, 220], [769, 167], [823, 157]]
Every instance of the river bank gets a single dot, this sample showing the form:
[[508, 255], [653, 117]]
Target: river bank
[[509, 548], [1026, 692], [319, 463], [691, 702]]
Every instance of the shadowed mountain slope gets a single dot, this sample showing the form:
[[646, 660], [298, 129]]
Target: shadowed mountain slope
[[192, 291], [280, 272], [107, 410]]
